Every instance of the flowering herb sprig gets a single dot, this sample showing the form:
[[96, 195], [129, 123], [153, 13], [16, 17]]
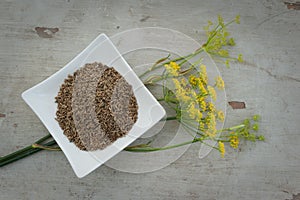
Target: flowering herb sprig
[[192, 97]]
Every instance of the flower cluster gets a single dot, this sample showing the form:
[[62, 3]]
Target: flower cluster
[[195, 98], [218, 39], [246, 131]]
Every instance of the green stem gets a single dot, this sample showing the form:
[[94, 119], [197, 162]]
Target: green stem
[[160, 65], [195, 130], [218, 55], [149, 149], [216, 31], [184, 58], [212, 36], [233, 127], [24, 154], [16, 153], [43, 139], [211, 145], [44, 147], [189, 129], [190, 125], [171, 118], [191, 56]]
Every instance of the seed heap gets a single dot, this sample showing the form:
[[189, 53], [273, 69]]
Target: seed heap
[[96, 106]]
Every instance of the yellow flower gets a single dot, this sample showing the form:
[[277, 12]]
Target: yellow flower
[[237, 19], [199, 115], [192, 93], [203, 74], [206, 28], [261, 138], [172, 68], [223, 52], [193, 80], [183, 82], [201, 126], [231, 42], [211, 132], [211, 125], [234, 141], [220, 83], [256, 118], [227, 63], [220, 115], [211, 120], [177, 84], [175, 66], [211, 107], [199, 98], [192, 111], [221, 20], [212, 93], [202, 88], [203, 69], [180, 92], [222, 149], [255, 127], [240, 58], [184, 98], [203, 106]]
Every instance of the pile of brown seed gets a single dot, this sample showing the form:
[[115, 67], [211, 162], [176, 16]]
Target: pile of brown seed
[[96, 106]]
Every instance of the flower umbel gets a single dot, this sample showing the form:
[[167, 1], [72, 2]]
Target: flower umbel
[[222, 149], [172, 68], [212, 92], [234, 141], [240, 58], [237, 19], [220, 115], [220, 83]]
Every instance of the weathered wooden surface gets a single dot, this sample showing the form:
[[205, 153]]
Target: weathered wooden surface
[[269, 83]]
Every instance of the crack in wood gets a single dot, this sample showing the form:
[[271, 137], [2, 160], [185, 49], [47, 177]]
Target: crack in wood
[[281, 78], [270, 18]]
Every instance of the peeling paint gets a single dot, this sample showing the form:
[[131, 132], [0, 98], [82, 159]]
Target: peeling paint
[[45, 32], [237, 104], [144, 19], [292, 6]]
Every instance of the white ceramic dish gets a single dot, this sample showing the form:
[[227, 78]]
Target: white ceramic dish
[[41, 100]]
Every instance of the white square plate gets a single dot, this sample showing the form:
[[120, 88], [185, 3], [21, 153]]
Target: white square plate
[[41, 99]]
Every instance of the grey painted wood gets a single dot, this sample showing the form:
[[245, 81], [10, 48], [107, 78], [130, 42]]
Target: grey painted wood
[[268, 83]]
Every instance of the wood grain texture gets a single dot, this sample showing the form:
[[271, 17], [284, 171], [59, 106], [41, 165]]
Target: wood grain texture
[[268, 83]]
